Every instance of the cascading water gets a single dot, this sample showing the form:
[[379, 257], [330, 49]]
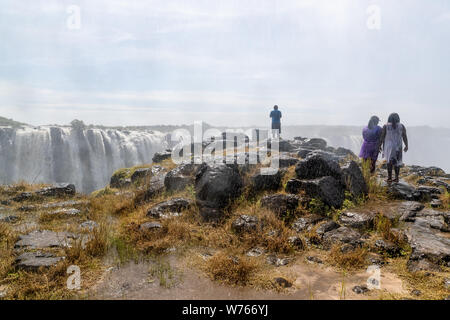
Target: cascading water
[[86, 158]]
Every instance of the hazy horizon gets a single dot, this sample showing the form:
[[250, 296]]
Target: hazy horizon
[[225, 62]]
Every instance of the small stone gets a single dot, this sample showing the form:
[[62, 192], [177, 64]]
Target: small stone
[[314, 259], [296, 242], [67, 212], [436, 203], [416, 292], [283, 282], [447, 283], [150, 226], [273, 260], [245, 223], [360, 289], [255, 252], [89, 225], [9, 219]]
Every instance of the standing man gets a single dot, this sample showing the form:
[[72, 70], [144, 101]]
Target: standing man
[[276, 121]]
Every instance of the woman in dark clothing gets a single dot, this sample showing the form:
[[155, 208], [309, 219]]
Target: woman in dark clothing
[[370, 147], [392, 138]]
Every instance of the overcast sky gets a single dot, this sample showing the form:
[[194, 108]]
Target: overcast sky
[[226, 62]]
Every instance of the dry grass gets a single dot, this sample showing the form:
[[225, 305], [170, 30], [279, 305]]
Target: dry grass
[[431, 284], [348, 260], [7, 239], [230, 269], [376, 191], [445, 198]]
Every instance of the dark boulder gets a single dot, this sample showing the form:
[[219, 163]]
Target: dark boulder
[[315, 143], [58, 190], [327, 189], [353, 178], [245, 224], [33, 261], [261, 182], [180, 177], [357, 220], [344, 152], [161, 156], [388, 247], [429, 251], [120, 179], [141, 174], [281, 204], [172, 207], [316, 167], [326, 227], [216, 186], [304, 223], [285, 160], [342, 235]]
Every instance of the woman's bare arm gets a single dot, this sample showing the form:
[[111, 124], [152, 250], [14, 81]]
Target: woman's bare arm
[[405, 138], [383, 136]]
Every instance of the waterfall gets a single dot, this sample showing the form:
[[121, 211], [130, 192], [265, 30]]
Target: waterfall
[[86, 158]]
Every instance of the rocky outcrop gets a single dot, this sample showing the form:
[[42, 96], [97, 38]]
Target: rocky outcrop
[[180, 177], [216, 186], [357, 220], [33, 261], [159, 157], [261, 182], [306, 222], [170, 208], [316, 167], [281, 204], [342, 236], [326, 189], [353, 179], [245, 224]]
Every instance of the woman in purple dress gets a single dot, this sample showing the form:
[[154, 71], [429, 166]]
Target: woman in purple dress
[[370, 147]]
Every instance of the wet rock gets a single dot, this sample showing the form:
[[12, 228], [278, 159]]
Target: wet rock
[[285, 161], [33, 261], [342, 235], [150, 226], [58, 190], [156, 187], [416, 292], [27, 208], [89, 225], [430, 218], [357, 220], [245, 224], [327, 189], [360, 289], [429, 250], [24, 196], [281, 204], [261, 182], [180, 177], [296, 242], [304, 152], [409, 209], [317, 166], [345, 152], [282, 282], [304, 223], [278, 262], [256, 252], [436, 203], [216, 187], [141, 174], [353, 179], [405, 191], [293, 186], [314, 259], [326, 227], [9, 219], [427, 171], [388, 247], [315, 143], [66, 212], [169, 208], [161, 156], [45, 239], [70, 203]]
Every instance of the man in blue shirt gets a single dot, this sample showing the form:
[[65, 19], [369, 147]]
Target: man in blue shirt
[[276, 122]]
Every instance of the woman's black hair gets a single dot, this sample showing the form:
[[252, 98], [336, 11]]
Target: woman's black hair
[[394, 118], [373, 122]]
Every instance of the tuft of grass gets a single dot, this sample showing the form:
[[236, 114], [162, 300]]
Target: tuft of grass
[[348, 260], [165, 274], [7, 239], [374, 186], [231, 270], [446, 200]]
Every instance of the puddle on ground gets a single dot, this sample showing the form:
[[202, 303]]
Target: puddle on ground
[[312, 281]]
